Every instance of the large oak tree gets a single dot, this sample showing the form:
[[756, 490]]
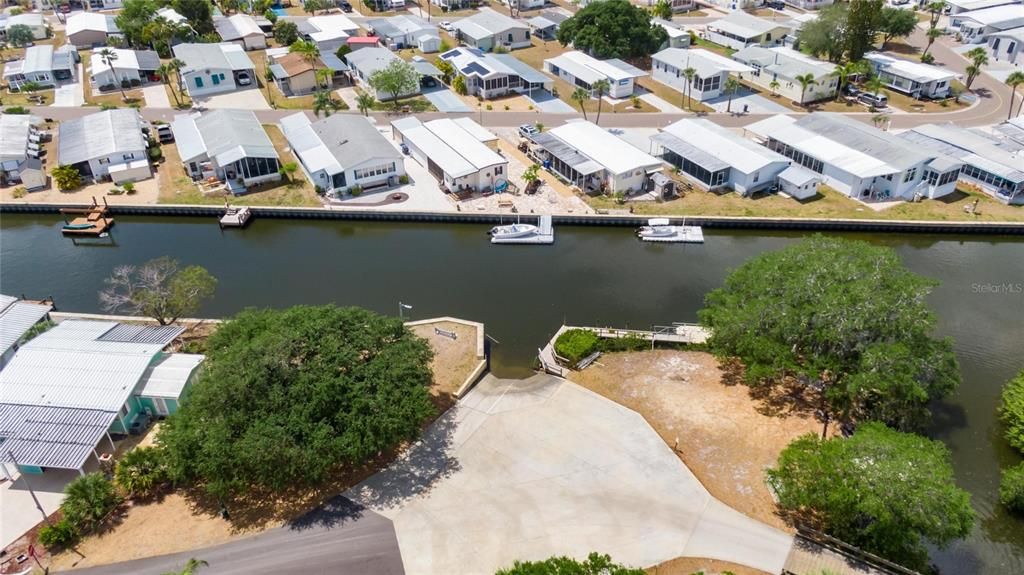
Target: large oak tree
[[612, 29]]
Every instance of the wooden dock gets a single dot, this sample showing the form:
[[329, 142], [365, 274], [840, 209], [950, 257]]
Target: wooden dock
[[91, 221]]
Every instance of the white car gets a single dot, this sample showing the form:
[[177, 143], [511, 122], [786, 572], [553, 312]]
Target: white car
[[244, 79], [447, 26]]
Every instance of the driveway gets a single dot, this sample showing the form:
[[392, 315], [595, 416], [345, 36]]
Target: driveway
[[18, 512], [156, 96], [445, 100], [539, 467], [70, 95], [341, 537], [755, 103], [660, 104], [247, 99], [546, 102]]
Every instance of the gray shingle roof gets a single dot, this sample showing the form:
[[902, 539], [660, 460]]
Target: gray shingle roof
[[353, 140], [100, 134], [228, 135]]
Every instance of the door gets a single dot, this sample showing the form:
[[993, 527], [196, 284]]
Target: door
[[161, 406]]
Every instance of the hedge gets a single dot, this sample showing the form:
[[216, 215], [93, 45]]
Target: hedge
[[1011, 488], [576, 344]]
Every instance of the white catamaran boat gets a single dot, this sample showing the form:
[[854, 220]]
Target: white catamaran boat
[[662, 230]]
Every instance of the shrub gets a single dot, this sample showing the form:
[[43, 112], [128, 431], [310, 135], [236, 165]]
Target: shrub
[[134, 82], [444, 47], [107, 87], [489, 107], [16, 110], [927, 58], [141, 472], [155, 153], [1011, 488], [1011, 411], [576, 344], [628, 343], [115, 192], [19, 192], [88, 500], [59, 535], [403, 179], [67, 177], [355, 191], [125, 83], [129, 188], [506, 107], [107, 106]]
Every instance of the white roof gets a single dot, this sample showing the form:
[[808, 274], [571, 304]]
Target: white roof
[[69, 366], [123, 60], [966, 5], [479, 132], [238, 26], [450, 161], [168, 375], [721, 143], [298, 129], [996, 16], [171, 15], [14, 131], [30, 19], [705, 62], [486, 23], [590, 69], [333, 22], [615, 154], [81, 21], [38, 58], [917, 71], [466, 143], [745, 25], [16, 317], [798, 175]]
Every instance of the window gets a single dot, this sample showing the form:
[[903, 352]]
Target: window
[[128, 156], [199, 82], [509, 37], [498, 170], [374, 171], [124, 410], [910, 175], [216, 79], [103, 161]]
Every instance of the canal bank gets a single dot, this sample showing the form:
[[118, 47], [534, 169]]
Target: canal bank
[[594, 219], [590, 276]]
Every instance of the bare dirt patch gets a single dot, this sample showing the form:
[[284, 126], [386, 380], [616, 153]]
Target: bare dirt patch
[[691, 565], [454, 359], [723, 434]]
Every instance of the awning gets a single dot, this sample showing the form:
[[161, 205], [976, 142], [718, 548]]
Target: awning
[[567, 154], [334, 63], [690, 152], [57, 437]]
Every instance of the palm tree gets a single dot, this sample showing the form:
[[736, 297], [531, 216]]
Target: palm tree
[[774, 87], [933, 34], [177, 65], [979, 58], [190, 567], [323, 102], [108, 57], [689, 74], [308, 50], [731, 85], [935, 9], [1015, 79], [268, 79], [843, 72], [874, 85], [601, 86], [580, 96], [165, 72], [805, 81], [324, 77], [365, 101]]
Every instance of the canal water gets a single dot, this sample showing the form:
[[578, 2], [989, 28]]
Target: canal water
[[591, 276]]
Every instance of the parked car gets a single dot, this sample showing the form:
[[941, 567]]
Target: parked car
[[879, 101], [244, 79], [345, 6], [528, 130], [775, 4], [447, 26], [851, 90], [164, 133]]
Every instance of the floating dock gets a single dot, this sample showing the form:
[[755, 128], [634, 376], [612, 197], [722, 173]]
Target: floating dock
[[545, 234], [682, 235], [235, 217], [92, 221]]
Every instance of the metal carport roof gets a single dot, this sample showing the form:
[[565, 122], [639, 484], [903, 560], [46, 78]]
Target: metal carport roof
[[57, 437]]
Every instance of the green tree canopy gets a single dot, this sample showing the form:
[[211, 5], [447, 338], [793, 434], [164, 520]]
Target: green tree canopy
[[896, 23], [88, 500], [825, 36], [862, 25], [884, 491], [20, 35], [1011, 488], [1011, 410], [595, 564], [397, 79], [612, 29], [199, 14], [287, 396], [839, 316], [160, 289], [133, 17]]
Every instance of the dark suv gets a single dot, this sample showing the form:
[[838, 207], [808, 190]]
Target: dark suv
[[776, 4]]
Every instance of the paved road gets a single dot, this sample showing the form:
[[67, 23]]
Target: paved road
[[341, 539]]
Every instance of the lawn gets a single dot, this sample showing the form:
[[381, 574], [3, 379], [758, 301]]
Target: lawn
[[8, 99], [717, 48], [177, 188], [132, 98], [671, 95], [828, 204]]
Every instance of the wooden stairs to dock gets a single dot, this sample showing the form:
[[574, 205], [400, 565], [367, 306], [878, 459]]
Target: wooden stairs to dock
[[815, 553]]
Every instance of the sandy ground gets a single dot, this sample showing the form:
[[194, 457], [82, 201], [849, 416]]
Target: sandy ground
[[721, 434], [145, 193], [692, 565], [453, 360]]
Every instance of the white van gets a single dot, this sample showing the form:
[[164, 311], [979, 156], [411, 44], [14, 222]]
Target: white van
[[879, 101]]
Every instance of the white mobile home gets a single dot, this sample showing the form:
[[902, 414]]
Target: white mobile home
[[711, 71], [243, 30], [342, 151], [214, 68], [493, 75], [961, 6], [229, 145], [977, 25], [582, 71], [987, 164], [487, 29], [131, 66], [366, 61], [858, 160], [740, 29], [784, 65], [454, 152], [20, 151], [912, 78], [33, 20], [594, 159], [106, 144], [400, 32], [718, 158], [90, 29], [42, 65]]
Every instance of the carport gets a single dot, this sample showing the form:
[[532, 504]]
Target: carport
[[44, 437]]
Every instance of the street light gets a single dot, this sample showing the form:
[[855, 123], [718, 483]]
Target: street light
[[401, 308]]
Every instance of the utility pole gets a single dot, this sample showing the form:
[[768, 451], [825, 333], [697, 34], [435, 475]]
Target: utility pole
[[33, 493], [401, 309]]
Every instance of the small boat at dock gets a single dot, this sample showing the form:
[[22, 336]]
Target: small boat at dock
[[662, 230], [235, 217], [520, 233]]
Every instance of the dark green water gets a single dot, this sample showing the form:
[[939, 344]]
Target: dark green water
[[591, 276]]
